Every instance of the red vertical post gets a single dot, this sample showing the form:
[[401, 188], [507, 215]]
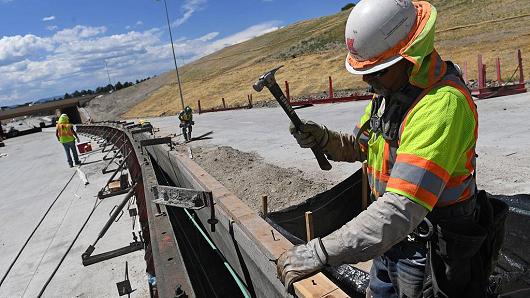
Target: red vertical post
[[330, 88], [199, 104], [465, 72], [224, 103], [520, 63], [484, 75], [481, 78], [287, 91], [498, 67]]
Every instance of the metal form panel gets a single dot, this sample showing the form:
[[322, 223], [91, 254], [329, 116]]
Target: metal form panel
[[162, 252]]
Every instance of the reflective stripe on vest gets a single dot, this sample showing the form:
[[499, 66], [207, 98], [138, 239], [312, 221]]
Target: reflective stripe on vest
[[424, 179], [420, 177], [65, 133]]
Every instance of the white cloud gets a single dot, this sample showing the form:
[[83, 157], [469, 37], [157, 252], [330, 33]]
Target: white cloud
[[51, 28], [248, 33], [78, 32], [50, 18], [139, 23], [17, 48], [189, 7], [34, 67], [208, 36]]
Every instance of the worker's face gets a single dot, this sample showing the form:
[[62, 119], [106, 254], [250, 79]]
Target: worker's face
[[390, 79]]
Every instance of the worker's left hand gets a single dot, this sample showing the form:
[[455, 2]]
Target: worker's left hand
[[300, 261]]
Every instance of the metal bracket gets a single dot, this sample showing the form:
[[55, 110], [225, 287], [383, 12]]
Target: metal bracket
[[145, 129], [181, 197], [89, 259], [132, 126], [124, 287], [156, 141]]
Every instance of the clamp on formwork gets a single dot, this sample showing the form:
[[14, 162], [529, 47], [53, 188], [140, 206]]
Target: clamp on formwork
[[185, 198]]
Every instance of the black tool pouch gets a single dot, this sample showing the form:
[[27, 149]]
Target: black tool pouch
[[493, 213], [455, 260], [463, 254]]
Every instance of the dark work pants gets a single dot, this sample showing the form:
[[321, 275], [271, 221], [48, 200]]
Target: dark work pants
[[399, 272], [70, 147]]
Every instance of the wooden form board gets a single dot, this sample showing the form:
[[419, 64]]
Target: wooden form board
[[317, 285], [259, 244], [114, 185]]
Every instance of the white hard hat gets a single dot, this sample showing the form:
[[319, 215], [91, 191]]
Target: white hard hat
[[374, 27]]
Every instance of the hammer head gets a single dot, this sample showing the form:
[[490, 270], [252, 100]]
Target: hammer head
[[266, 80]]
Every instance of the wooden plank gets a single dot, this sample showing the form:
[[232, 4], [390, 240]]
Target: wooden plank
[[114, 185], [317, 285], [264, 206], [309, 229]]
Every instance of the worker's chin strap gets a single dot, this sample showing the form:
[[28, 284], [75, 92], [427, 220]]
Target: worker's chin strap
[[395, 107]]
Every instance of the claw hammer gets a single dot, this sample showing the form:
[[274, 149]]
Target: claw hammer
[[268, 80]]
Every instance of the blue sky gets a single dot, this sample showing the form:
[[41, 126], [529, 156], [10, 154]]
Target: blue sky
[[51, 47]]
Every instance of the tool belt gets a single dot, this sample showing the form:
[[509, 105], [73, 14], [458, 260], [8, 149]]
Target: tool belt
[[463, 246]]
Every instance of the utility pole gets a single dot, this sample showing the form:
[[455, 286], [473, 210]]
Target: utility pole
[[174, 57]]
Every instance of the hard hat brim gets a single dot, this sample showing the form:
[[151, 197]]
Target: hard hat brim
[[379, 66]]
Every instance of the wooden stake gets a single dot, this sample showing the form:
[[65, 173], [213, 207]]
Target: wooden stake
[[309, 226], [264, 206], [365, 186]]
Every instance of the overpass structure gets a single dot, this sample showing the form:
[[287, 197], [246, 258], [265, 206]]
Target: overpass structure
[[68, 106]]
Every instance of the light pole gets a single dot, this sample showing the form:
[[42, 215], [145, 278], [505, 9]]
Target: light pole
[[108, 75], [174, 57]]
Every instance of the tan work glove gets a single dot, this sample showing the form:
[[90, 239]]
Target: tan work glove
[[300, 261], [336, 145], [310, 134]]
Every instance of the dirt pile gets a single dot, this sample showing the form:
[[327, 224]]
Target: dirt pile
[[250, 178]]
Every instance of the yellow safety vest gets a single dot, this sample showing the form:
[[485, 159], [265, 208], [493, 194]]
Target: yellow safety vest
[[64, 130], [433, 161]]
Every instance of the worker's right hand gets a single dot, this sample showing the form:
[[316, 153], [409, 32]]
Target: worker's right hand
[[310, 134]]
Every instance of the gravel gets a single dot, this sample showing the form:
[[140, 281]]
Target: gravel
[[250, 178]]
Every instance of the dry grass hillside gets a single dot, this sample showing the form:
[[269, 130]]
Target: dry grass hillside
[[312, 50]]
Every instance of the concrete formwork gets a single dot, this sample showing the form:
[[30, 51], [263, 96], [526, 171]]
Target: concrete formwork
[[247, 242]]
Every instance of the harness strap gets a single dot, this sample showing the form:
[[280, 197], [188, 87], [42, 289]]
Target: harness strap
[[356, 145]]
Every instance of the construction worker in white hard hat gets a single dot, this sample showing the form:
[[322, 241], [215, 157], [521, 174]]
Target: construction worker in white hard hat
[[66, 135], [418, 136], [186, 122]]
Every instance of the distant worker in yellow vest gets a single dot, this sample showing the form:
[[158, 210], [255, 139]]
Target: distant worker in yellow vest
[[425, 229], [186, 121], [66, 135]]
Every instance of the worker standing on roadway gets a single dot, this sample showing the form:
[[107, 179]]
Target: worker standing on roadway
[[418, 137], [186, 122], [65, 133]]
